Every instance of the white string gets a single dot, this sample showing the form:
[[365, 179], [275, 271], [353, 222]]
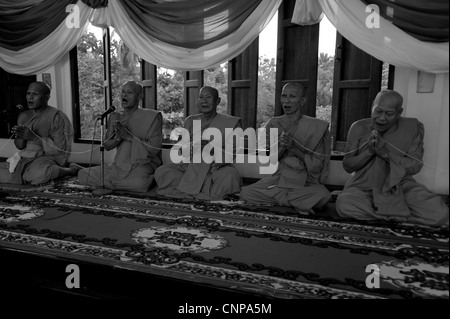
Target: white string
[[6, 143], [328, 155], [276, 143], [64, 151], [418, 160], [387, 142], [297, 142]]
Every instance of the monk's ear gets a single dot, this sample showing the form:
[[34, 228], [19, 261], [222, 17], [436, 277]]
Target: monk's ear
[[303, 101], [218, 101]]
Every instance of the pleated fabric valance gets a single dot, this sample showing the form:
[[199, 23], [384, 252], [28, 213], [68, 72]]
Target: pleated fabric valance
[[198, 34], [176, 34], [411, 33]]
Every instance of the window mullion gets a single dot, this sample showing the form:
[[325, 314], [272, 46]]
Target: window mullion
[[107, 84]]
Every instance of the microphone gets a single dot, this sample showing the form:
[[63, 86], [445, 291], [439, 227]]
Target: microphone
[[107, 112]]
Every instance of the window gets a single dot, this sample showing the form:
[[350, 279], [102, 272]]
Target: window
[[325, 70], [338, 90], [267, 72], [89, 76], [217, 77], [170, 101]]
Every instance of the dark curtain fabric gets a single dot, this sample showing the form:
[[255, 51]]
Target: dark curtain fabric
[[94, 4], [189, 24], [23, 24], [425, 20]]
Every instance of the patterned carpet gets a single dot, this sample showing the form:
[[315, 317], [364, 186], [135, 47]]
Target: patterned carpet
[[266, 251]]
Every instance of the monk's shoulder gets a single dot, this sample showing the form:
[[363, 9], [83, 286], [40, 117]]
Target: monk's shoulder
[[227, 116], [24, 117], [275, 121], [229, 119], [316, 122], [361, 127], [59, 113], [193, 117], [412, 121], [115, 116], [148, 112], [188, 122]]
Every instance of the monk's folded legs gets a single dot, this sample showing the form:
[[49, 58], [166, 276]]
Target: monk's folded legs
[[138, 180], [302, 199], [426, 207], [357, 204]]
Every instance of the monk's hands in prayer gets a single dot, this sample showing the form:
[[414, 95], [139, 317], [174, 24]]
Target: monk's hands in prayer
[[285, 140], [24, 133], [381, 149], [122, 132], [377, 145]]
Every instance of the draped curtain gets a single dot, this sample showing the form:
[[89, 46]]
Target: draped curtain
[[427, 22], [411, 33], [219, 33], [198, 34], [176, 34], [20, 53]]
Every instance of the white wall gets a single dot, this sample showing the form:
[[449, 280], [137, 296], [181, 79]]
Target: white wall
[[432, 109]]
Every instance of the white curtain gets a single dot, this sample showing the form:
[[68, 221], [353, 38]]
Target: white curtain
[[183, 59], [307, 12], [46, 53], [387, 43]]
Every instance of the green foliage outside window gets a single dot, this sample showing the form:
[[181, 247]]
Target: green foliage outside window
[[125, 65]]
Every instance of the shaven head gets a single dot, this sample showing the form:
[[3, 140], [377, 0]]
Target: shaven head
[[213, 91], [131, 94], [389, 96], [387, 109], [292, 98], [208, 100], [38, 94], [301, 90], [137, 87]]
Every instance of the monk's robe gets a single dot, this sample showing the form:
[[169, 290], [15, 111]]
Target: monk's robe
[[301, 173], [385, 189], [39, 161], [201, 180], [136, 160]]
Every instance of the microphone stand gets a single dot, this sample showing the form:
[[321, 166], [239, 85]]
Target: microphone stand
[[102, 191]]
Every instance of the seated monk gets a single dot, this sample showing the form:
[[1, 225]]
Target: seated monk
[[201, 180], [136, 133], [304, 150], [384, 152], [43, 136]]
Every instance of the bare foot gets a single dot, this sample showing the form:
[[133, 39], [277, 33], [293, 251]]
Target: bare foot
[[75, 168]]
